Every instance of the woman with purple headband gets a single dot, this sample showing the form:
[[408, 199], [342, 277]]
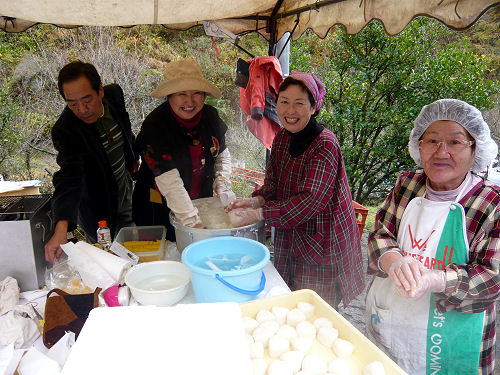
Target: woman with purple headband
[[306, 197]]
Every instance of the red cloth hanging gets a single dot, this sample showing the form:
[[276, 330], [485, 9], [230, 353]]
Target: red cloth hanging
[[258, 99]]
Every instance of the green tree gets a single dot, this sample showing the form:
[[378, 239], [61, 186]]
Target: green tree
[[377, 85], [10, 139]]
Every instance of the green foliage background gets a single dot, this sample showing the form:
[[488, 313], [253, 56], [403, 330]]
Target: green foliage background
[[376, 86]]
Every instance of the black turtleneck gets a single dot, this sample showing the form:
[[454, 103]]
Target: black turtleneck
[[301, 140]]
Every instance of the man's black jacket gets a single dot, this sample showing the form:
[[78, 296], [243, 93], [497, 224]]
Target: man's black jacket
[[85, 189]]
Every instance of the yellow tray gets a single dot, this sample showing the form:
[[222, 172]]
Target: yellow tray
[[364, 350]]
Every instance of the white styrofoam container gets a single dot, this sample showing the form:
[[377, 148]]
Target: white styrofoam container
[[364, 350]]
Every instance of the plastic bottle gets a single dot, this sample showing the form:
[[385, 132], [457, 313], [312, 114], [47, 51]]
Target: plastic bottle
[[104, 235]]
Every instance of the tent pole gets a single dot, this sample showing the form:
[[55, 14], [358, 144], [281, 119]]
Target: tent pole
[[272, 27]]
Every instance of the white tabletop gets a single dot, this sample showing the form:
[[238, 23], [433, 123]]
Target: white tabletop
[[274, 285]]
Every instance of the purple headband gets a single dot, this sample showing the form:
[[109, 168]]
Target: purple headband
[[313, 84]]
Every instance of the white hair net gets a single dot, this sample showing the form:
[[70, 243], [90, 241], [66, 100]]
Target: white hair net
[[463, 114]]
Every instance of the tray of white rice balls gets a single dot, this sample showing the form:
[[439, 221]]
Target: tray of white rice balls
[[300, 334]]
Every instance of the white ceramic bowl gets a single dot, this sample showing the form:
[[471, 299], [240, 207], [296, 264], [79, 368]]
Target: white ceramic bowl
[[160, 283]]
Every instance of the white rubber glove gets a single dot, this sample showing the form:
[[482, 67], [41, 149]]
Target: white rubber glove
[[406, 272], [223, 170], [172, 188], [431, 281], [242, 217], [255, 202]]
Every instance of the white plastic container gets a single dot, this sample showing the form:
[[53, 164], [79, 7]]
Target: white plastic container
[[147, 242]]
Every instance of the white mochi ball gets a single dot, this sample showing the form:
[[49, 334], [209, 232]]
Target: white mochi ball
[[301, 344], [306, 308], [271, 325], [264, 315], [262, 334], [342, 348], [306, 329], [374, 368], [249, 324], [250, 339], [339, 366], [280, 313], [294, 317], [287, 332], [259, 366], [293, 358], [327, 335], [256, 350], [279, 367], [277, 346], [322, 322], [314, 364]]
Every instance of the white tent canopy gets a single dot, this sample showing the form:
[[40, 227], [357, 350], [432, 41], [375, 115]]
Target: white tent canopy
[[271, 18]]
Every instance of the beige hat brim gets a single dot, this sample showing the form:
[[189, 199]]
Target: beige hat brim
[[185, 84]]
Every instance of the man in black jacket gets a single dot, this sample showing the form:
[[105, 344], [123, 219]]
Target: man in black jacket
[[94, 140]]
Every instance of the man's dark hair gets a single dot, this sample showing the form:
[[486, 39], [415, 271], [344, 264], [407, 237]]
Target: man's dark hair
[[75, 70]]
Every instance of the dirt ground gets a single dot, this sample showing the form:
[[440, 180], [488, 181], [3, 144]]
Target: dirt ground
[[354, 313]]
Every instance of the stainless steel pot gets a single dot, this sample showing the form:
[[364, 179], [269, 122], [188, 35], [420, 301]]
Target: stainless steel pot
[[186, 235]]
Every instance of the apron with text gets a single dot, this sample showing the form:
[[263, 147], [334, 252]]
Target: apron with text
[[414, 333]]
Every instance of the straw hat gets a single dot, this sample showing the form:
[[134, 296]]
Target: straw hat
[[184, 75]]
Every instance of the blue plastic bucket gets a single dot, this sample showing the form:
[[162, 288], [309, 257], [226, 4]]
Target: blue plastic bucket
[[237, 285]]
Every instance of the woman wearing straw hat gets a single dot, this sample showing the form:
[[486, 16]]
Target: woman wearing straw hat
[[182, 144]]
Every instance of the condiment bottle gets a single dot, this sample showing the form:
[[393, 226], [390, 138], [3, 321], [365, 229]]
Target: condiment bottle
[[104, 235]]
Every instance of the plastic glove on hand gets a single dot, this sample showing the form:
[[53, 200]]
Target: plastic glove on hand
[[254, 202], [242, 217], [406, 272], [431, 281], [219, 188], [226, 197]]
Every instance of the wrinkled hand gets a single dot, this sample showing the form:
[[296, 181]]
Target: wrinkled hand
[[431, 281], [406, 272], [255, 202], [198, 225], [242, 217]]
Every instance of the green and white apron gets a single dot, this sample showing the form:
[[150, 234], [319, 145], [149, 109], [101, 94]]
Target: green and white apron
[[413, 332]]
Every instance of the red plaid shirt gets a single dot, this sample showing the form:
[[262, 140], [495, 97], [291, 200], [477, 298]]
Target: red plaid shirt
[[470, 288], [308, 201]]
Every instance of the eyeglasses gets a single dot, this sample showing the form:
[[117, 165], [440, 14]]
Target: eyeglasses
[[453, 146]]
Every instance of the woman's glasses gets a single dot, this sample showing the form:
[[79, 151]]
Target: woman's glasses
[[453, 146]]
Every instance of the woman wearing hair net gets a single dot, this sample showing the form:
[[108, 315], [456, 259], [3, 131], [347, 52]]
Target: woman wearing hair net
[[434, 249]]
